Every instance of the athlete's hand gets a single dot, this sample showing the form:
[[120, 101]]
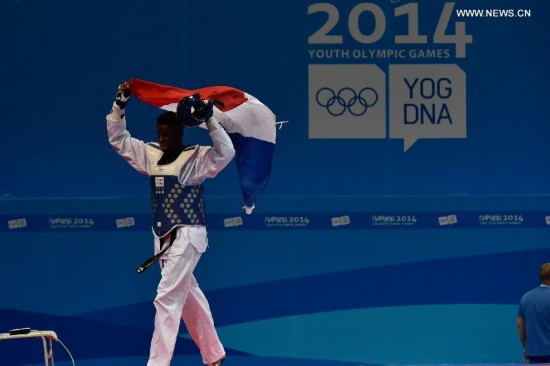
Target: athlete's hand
[[123, 95], [203, 109]]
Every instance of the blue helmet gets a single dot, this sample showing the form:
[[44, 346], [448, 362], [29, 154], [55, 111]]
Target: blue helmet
[[192, 110]]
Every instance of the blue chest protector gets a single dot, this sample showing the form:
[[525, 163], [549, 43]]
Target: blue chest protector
[[173, 203]]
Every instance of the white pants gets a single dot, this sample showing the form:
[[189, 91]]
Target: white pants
[[179, 297]]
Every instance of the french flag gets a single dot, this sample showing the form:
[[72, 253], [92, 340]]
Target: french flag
[[248, 122]]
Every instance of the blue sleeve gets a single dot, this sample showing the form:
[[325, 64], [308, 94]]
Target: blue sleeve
[[520, 311]]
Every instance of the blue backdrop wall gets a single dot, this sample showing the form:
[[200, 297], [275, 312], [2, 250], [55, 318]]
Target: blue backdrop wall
[[408, 208]]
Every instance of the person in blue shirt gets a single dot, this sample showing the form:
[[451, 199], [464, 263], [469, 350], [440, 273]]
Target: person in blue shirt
[[533, 321]]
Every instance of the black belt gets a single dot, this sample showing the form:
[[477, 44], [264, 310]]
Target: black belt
[[149, 262]]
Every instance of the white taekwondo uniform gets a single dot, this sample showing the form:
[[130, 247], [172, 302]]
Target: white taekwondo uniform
[[178, 293]]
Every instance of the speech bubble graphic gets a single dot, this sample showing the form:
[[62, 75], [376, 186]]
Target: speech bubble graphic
[[427, 102]]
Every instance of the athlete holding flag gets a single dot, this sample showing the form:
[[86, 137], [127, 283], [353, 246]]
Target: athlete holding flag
[[177, 172]]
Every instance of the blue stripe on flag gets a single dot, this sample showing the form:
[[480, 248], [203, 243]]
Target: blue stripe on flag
[[253, 158]]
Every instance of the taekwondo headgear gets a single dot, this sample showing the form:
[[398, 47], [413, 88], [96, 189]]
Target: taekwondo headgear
[[192, 110]]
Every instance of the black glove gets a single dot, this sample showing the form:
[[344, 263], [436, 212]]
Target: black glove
[[203, 109], [123, 95]]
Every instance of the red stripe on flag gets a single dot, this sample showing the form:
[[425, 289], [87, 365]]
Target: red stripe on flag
[[160, 95]]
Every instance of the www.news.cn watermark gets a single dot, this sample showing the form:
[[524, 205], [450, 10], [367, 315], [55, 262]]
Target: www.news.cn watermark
[[493, 13]]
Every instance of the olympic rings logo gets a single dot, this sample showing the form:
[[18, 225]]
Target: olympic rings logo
[[347, 99]]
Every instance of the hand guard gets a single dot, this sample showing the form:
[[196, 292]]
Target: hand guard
[[192, 110], [123, 95]]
